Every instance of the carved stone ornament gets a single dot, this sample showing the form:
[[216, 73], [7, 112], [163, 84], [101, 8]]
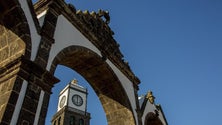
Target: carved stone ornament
[[74, 81], [150, 97]]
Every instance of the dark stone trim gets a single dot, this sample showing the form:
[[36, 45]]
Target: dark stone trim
[[47, 33], [9, 69], [34, 73], [34, 16], [159, 108]]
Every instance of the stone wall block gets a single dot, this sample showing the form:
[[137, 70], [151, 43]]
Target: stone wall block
[[10, 84], [27, 38], [49, 29], [26, 116], [3, 41], [30, 104], [44, 53], [13, 98], [18, 84], [2, 109], [12, 37], [4, 98], [35, 88], [14, 48], [3, 86], [2, 29], [4, 54], [8, 113], [25, 75], [33, 92], [12, 19], [51, 18]]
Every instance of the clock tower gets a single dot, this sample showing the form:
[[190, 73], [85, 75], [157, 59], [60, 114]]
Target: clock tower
[[72, 106]]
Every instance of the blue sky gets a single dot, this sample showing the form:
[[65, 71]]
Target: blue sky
[[174, 47]]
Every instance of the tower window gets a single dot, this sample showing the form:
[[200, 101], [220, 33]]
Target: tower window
[[54, 123], [81, 122], [72, 120]]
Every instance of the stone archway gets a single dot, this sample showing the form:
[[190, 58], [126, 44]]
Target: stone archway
[[15, 43], [102, 79], [103, 67]]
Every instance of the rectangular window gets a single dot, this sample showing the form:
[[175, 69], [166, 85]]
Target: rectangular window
[[81, 122], [72, 120]]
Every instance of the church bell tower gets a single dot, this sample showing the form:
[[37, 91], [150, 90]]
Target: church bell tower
[[72, 106]]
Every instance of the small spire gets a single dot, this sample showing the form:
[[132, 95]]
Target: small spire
[[74, 82]]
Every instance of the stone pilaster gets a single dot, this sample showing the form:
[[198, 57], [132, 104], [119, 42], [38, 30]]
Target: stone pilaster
[[14, 42], [44, 109], [39, 80], [10, 86], [47, 40]]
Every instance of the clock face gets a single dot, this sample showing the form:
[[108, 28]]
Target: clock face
[[62, 101], [77, 100]]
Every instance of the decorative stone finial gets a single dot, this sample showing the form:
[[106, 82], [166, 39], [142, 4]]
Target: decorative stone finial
[[78, 12], [74, 81], [104, 14], [150, 97], [86, 12], [93, 13]]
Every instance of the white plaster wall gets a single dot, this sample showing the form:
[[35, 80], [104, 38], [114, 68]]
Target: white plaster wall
[[162, 119], [67, 35], [19, 103], [65, 93], [151, 108], [127, 85], [83, 95], [35, 38]]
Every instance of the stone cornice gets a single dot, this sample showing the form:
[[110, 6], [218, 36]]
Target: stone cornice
[[41, 6], [93, 27], [10, 70]]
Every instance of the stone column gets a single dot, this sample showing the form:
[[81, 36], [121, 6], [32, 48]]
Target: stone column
[[40, 83]]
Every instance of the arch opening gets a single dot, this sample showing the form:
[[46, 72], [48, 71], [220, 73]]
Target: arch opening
[[103, 81], [94, 107], [152, 119]]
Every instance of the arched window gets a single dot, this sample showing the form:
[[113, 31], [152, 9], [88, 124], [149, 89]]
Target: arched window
[[152, 119], [72, 120], [81, 122], [59, 120], [54, 122]]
